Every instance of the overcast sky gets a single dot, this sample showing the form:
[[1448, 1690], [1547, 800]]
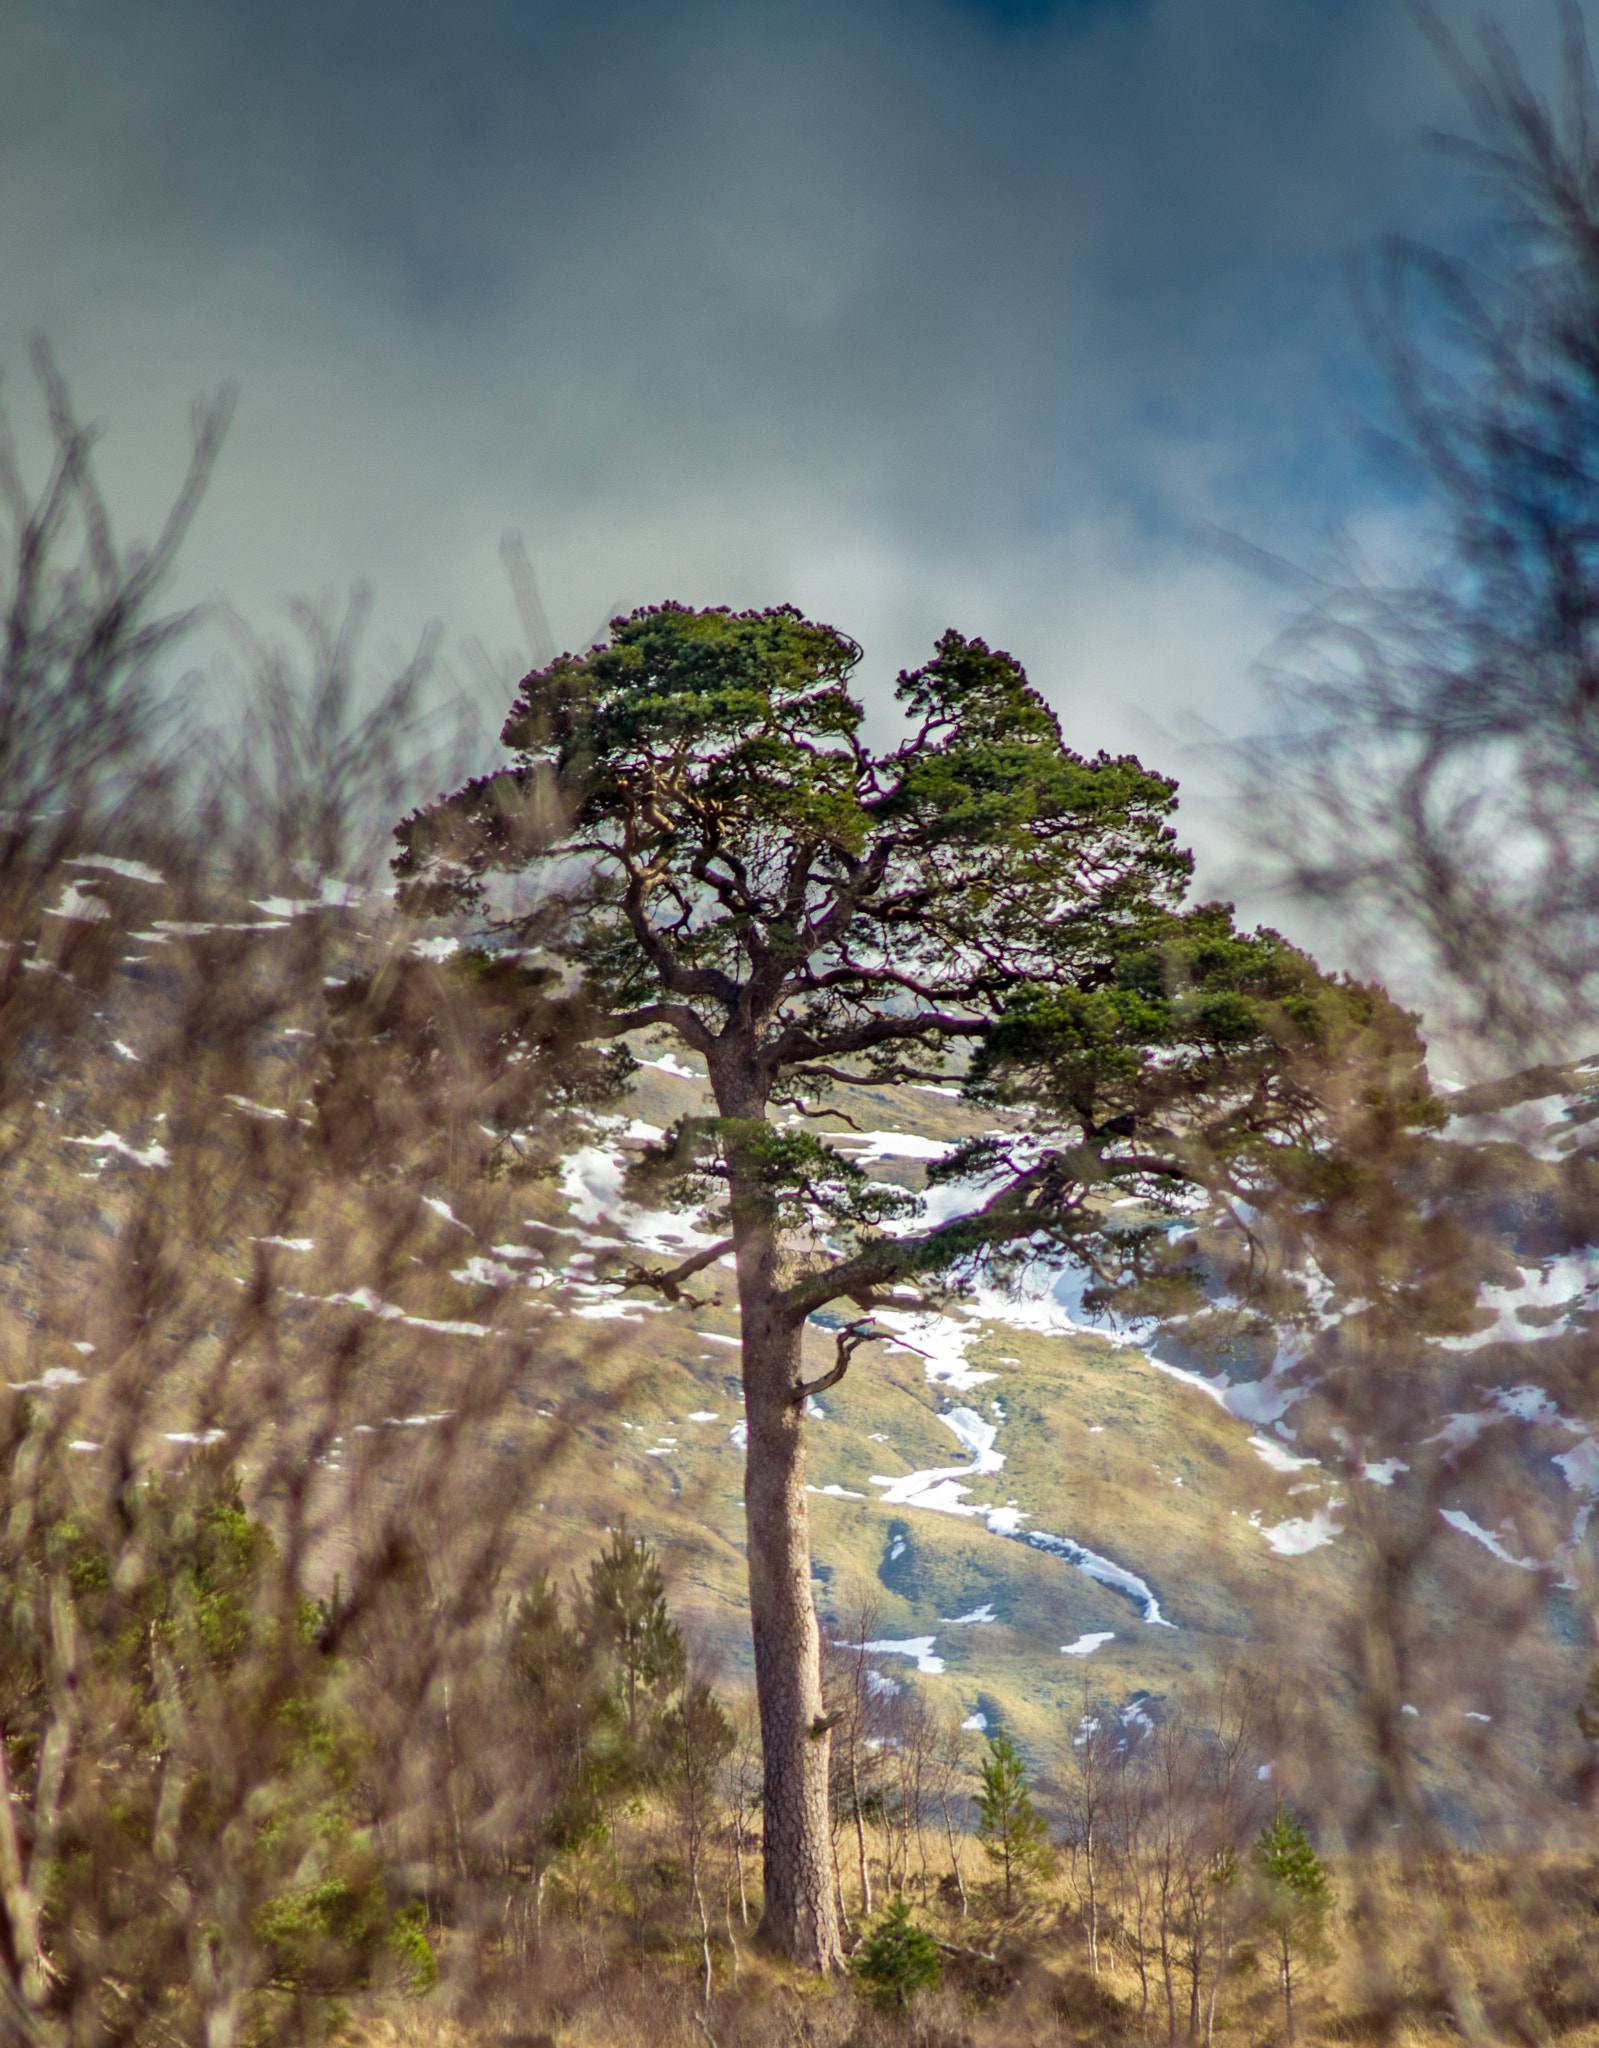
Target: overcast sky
[[913, 313]]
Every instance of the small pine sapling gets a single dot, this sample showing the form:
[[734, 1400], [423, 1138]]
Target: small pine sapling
[[898, 1960], [625, 1611], [1013, 1832], [1296, 1898], [693, 1738]]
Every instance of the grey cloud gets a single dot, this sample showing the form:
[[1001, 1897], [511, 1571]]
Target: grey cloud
[[867, 305]]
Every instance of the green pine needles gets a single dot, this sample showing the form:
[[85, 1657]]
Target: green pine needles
[[1014, 1834], [625, 1612], [898, 1961], [1296, 1898]]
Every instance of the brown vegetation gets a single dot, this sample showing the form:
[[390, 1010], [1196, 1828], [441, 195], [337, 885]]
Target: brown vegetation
[[313, 1722]]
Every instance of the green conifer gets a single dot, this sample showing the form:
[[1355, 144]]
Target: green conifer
[[1296, 1897], [898, 1960], [1014, 1834], [625, 1614]]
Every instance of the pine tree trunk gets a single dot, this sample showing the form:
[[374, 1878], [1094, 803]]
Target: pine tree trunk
[[1288, 1985], [800, 1917]]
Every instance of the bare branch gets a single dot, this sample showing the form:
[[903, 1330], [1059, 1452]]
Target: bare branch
[[676, 1017], [670, 1283], [799, 1104], [850, 1340]]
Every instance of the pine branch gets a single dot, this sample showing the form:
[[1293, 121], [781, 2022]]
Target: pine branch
[[670, 1282], [850, 1339]]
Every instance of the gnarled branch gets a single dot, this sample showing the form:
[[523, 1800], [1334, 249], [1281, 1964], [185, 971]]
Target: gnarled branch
[[670, 1282], [797, 1103], [850, 1339]]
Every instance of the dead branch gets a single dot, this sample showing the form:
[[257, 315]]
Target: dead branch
[[850, 1339], [670, 1282]]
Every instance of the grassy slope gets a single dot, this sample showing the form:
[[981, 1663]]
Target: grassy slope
[[1095, 1441], [1099, 1447]]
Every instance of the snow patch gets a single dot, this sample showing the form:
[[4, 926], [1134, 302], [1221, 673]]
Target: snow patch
[[941, 1342], [877, 1145], [442, 1208], [1541, 1126], [74, 904], [1527, 1403], [1092, 1566], [1258, 1401], [1276, 1457], [108, 1141], [1457, 1518], [669, 1063], [1580, 1465], [1085, 1646], [385, 1311], [919, 1647], [975, 1436], [1562, 1283], [1293, 1539], [481, 1272], [939, 1490], [257, 1108], [131, 870]]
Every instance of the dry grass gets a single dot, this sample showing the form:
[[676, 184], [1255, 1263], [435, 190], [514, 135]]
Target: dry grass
[[1518, 1932]]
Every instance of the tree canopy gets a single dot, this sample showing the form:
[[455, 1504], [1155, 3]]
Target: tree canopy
[[694, 837]]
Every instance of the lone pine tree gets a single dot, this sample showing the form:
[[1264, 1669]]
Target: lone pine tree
[[701, 846]]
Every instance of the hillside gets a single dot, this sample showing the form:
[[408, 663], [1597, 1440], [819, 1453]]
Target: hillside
[[1035, 1515], [1045, 1511]]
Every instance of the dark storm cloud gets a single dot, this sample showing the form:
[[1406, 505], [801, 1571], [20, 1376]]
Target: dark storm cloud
[[913, 311]]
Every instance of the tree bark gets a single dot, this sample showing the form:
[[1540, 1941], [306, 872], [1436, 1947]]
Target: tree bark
[[800, 1916], [1288, 1985]]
